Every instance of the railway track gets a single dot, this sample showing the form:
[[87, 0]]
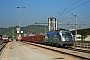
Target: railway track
[[2, 46], [79, 50], [75, 52]]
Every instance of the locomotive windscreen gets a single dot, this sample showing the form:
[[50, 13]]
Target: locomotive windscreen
[[5, 36], [67, 33]]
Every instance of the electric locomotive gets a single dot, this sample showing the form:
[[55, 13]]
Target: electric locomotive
[[59, 38], [5, 38]]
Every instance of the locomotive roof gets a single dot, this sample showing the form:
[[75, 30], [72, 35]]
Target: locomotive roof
[[53, 32]]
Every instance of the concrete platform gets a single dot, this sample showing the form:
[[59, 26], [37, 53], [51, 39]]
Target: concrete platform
[[21, 51]]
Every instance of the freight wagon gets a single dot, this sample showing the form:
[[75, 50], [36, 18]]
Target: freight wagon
[[34, 38]]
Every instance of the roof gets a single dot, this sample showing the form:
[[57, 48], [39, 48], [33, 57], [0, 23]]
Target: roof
[[85, 31]]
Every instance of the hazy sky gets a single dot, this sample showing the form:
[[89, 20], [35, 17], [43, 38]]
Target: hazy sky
[[41, 10]]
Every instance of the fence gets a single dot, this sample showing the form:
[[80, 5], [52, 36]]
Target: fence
[[84, 44]]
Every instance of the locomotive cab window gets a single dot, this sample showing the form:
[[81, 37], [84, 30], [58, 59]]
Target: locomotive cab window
[[64, 33]]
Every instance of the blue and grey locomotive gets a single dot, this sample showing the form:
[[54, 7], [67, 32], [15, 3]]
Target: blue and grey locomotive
[[59, 38]]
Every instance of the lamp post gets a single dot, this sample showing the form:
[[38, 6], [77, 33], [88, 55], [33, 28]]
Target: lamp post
[[20, 19], [75, 26]]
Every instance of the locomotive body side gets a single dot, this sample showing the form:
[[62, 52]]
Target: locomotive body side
[[59, 38]]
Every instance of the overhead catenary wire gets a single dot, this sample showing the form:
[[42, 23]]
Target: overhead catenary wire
[[80, 19], [66, 11], [61, 12], [81, 24], [74, 8], [70, 16]]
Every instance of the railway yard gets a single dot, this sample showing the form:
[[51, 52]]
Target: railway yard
[[61, 44], [45, 30], [56, 44]]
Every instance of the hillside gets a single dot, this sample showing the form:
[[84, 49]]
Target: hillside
[[35, 29]]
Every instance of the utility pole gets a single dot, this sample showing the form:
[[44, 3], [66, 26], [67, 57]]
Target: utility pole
[[75, 26], [20, 19], [13, 32]]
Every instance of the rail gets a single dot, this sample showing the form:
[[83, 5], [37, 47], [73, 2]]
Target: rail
[[2, 46]]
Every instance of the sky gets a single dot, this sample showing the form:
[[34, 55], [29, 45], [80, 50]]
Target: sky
[[41, 10]]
